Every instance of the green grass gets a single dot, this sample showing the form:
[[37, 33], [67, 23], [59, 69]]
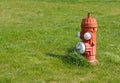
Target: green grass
[[38, 38]]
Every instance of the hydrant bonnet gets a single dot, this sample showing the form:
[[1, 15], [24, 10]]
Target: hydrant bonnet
[[89, 22]]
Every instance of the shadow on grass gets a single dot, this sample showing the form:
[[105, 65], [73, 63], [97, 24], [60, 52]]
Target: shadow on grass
[[72, 58]]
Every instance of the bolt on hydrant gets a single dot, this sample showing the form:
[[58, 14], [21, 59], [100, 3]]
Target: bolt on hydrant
[[87, 47]]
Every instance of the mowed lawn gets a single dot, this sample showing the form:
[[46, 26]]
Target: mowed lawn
[[38, 38]]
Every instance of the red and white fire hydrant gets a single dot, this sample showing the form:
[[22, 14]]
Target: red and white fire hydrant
[[87, 46]]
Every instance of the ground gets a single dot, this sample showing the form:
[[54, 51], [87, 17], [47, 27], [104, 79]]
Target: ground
[[38, 38]]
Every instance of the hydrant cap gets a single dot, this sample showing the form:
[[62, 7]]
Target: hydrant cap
[[89, 22]]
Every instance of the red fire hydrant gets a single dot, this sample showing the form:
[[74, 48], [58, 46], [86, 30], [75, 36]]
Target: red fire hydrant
[[87, 46]]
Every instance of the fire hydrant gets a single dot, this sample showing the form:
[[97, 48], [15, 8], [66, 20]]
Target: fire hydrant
[[87, 47]]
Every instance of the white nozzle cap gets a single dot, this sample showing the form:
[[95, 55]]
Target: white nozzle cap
[[78, 34], [87, 36], [80, 47]]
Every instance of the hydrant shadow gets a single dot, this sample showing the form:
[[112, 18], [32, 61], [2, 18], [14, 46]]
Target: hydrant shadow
[[72, 58]]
